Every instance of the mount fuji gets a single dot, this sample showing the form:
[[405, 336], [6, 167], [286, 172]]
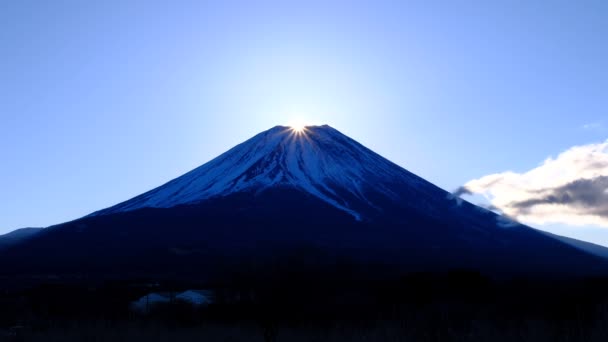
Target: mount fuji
[[319, 161], [315, 195]]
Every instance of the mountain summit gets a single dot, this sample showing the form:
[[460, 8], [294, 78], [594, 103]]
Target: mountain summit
[[315, 195], [318, 160]]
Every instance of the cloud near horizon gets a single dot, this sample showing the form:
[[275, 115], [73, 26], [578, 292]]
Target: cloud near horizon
[[570, 189]]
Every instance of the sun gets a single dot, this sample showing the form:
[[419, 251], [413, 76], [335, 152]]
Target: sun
[[297, 126]]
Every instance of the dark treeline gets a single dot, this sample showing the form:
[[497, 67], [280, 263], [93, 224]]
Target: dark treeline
[[300, 303]]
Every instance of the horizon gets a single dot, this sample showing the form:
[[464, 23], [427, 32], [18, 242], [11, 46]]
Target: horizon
[[501, 103]]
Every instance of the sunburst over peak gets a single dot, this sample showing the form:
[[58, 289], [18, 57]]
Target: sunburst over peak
[[298, 129], [298, 126]]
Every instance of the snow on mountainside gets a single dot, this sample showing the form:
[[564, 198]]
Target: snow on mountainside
[[320, 161]]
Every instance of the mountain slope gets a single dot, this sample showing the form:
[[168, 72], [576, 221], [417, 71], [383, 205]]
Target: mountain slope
[[17, 236], [588, 247], [318, 196]]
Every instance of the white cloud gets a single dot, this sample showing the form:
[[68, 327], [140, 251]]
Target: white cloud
[[570, 189], [593, 125]]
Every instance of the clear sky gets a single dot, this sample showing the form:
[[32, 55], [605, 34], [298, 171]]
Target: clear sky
[[103, 100]]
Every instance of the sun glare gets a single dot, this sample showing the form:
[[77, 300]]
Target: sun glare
[[297, 127]]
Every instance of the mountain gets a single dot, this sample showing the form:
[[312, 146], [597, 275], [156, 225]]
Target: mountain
[[17, 236], [316, 197], [320, 161], [588, 247]]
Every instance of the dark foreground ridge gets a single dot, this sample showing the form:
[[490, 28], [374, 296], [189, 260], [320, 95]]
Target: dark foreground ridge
[[314, 306]]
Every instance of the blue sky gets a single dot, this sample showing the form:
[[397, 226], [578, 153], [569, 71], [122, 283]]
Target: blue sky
[[101, 101]]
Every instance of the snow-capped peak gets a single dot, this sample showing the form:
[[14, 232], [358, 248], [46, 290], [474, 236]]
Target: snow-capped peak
[[318, 160]]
